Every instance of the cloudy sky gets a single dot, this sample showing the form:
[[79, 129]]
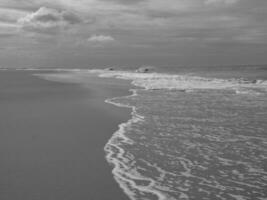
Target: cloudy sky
[[90, 33]]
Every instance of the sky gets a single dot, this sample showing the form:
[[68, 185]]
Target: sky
[[104, 33]]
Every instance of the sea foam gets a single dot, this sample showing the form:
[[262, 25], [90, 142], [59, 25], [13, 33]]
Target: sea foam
[[155, 81]]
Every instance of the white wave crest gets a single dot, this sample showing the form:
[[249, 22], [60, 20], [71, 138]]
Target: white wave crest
[[155, 81]]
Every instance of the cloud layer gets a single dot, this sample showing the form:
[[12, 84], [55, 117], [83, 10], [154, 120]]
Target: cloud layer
[[172, 30], [101, 38]]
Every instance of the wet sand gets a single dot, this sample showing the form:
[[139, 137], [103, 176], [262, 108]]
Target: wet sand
[[52, 136]]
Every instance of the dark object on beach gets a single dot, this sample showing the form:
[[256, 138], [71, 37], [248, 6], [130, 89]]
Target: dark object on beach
[[110, 69], [246, 81], [145, 69]]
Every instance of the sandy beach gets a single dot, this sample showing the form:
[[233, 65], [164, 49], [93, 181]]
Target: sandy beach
[[52, 136]]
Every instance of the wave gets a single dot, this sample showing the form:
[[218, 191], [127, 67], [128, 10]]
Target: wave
[[154, 81], [157, 81]]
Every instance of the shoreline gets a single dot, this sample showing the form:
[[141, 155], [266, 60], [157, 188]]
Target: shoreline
[[121, 176], [56, 147], [134, 118], [127, 179], [119, 133], [124, 162], [121, 161]]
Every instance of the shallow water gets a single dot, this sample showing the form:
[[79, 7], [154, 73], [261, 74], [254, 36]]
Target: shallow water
[[199, 145], [52, 136]]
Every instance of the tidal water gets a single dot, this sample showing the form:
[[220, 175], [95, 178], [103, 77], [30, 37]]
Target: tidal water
[[192, 137], [52, 136]]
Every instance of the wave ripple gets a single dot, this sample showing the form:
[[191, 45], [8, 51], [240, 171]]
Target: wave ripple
[[199, 143]]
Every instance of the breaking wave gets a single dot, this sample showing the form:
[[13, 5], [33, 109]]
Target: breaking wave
[[154, 81]]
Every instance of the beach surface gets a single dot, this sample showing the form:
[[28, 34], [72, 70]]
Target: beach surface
[[52, 137], [188, 136]]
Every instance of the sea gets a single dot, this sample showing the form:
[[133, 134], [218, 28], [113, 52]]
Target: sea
[[195, 132]]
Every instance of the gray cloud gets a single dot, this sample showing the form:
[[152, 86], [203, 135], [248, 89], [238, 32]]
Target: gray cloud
[[10, 15], [216, 2], [6, 35], [169, 29], [125, 1], [101, 38], [48, 20], [25, 5]]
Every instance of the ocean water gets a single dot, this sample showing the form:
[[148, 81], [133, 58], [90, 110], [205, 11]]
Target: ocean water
[[192, 137]]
